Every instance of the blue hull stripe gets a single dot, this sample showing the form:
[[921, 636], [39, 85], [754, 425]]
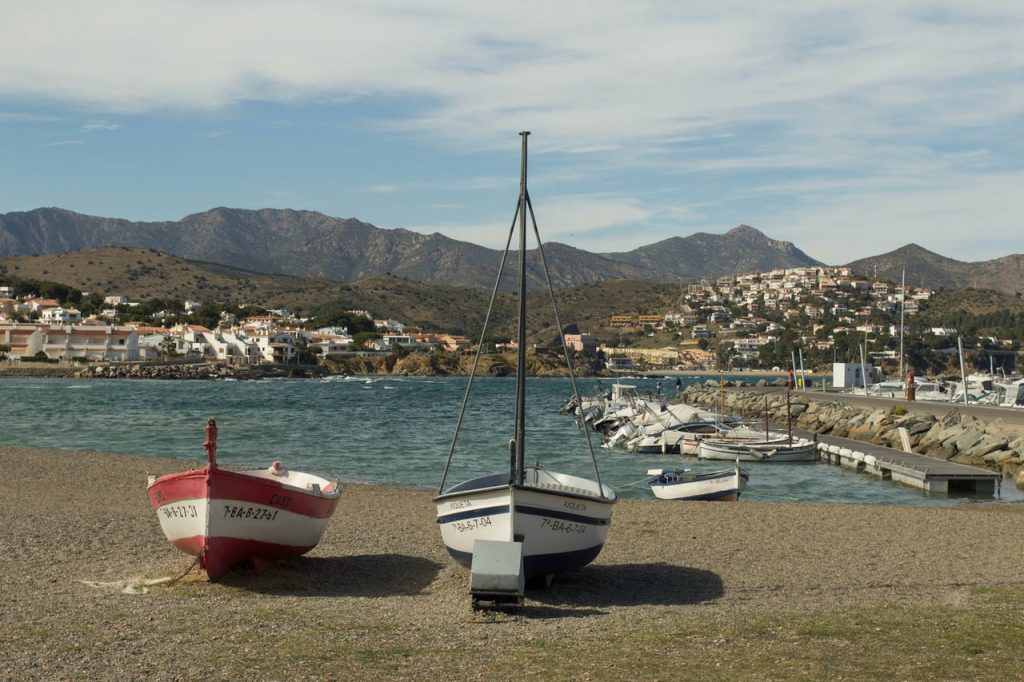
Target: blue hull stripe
[[472, 514], [542, 564], [559, 514], [708, 496]]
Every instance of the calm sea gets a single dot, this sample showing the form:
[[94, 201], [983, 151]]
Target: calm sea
[[382, 430]]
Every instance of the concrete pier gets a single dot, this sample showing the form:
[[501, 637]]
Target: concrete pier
[[919, 471]]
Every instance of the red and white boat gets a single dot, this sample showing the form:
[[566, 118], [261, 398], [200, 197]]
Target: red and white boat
[[229, 517]]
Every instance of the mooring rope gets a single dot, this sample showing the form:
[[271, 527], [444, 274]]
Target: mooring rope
[[140, 586]]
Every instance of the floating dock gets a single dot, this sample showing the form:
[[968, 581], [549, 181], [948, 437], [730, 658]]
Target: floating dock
[[919, 471]]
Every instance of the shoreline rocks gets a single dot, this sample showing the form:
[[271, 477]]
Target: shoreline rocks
[[198, 371]]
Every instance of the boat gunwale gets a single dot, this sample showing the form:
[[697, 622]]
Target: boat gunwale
[[560, 491], [207, 471]]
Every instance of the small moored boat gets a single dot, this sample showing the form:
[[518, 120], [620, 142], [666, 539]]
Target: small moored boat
[[228, 517], [759, 451], [724, 485]]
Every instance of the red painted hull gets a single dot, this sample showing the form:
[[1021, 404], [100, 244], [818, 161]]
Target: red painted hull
[[226, 518]]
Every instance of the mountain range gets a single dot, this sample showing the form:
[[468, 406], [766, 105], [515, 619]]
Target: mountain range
[[306, 243], [311, 244]]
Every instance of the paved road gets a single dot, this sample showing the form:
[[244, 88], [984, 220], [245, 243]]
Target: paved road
[[1011, 415]]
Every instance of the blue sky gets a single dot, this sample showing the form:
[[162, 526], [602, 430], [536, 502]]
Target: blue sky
[[850, 129]]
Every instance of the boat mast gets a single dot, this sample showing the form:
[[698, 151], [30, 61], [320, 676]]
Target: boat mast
[[903, 307], [519, 462]]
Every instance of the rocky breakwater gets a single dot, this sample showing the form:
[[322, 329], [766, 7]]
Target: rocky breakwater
[[964, 439], [197, 371]]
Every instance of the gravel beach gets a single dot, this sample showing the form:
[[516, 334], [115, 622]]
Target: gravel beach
[[380, 597]]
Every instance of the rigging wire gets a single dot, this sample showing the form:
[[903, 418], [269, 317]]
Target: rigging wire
[[561, 336], [480, 347]]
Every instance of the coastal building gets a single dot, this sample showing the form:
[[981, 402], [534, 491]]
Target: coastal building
[[652, 320], [655, 357], [620, 363], [152, 341], [581, 343], [622, 321], [749, 349], [330, 344], [277, 348], [38, 305], [850, 375], [390, 341], [454, 343], [60, 315], [67, 342], [190, 340], [232, 348]]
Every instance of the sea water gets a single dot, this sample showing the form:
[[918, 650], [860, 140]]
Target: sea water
[[391, 430]]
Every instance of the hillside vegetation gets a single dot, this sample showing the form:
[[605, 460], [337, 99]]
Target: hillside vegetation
[[146, 274]]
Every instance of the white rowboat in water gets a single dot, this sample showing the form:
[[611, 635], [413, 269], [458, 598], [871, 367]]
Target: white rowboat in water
[[683, 484], [763, 451]]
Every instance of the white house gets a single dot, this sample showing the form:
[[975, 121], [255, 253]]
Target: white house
[[330, 344], [191, 339], [276, 347], [60, 315], [233, 348], [389, 341]]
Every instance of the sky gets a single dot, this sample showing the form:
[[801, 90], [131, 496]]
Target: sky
[[848, 128]]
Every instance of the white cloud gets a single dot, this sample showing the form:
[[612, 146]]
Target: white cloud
[[588, 221], [964, 217], [593, 76], [22, 117], [61, 143], [857, 113], [98, 126]]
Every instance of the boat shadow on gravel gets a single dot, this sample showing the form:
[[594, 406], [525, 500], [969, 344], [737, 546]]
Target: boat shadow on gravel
[[368, 575], [603, 586]]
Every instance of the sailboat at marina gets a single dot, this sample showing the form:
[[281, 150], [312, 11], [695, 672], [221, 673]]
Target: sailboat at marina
[[560, 520]]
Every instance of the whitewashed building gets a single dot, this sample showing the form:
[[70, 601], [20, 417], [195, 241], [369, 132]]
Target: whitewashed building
[[66, 342]]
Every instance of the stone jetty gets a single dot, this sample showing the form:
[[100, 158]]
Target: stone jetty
[[964, 439], [170, 370]]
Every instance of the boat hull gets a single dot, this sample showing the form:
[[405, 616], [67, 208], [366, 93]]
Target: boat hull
[[226, 517], [722, 486], [802, 451], [561, 520]]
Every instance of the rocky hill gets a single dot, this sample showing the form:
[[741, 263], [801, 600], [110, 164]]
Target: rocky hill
[[928, 269], [741, 249]]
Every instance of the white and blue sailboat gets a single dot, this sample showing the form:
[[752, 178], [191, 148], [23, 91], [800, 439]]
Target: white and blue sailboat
[[561, 520]]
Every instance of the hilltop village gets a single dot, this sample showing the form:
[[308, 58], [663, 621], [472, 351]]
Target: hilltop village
[[750, 321]]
